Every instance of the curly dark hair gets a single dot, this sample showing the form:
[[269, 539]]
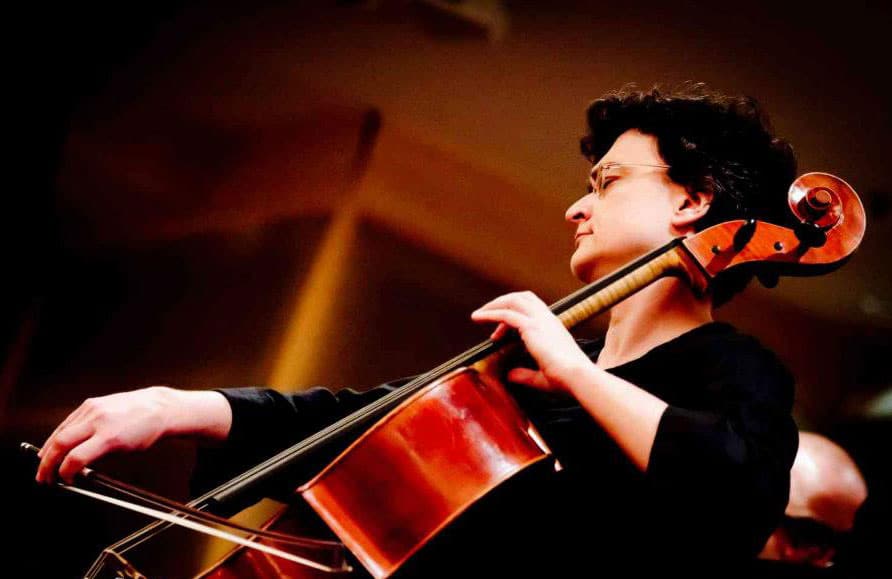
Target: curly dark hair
[[723, 145]]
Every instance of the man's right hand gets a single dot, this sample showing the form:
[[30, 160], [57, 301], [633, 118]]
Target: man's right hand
[[130, 421]]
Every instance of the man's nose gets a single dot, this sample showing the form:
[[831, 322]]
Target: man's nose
[[580, 210]]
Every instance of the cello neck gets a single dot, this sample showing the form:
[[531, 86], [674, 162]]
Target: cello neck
[[671, 259]]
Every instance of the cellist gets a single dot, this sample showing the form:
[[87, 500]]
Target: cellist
[[673, 432]]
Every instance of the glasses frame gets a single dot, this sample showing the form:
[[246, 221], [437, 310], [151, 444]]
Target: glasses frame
[[598, 172]]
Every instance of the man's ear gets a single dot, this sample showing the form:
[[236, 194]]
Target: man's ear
[[690, 207]]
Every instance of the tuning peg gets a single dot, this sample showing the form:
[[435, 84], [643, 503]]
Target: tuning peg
[[743, 235], [769, 279], [810, 234]]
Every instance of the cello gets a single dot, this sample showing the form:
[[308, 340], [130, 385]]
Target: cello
[[454, 435]]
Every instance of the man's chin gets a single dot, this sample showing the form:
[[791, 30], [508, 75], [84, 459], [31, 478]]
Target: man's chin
[[583, 270]]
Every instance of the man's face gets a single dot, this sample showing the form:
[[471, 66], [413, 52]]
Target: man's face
[[630, 215]]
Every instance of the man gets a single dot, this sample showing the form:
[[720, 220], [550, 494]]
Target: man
[[826, 491], [674, 431]]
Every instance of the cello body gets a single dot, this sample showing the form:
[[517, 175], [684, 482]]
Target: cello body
[[421, 467]]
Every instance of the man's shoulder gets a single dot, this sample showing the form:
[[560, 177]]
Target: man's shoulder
[[740, 347], [745, 364]]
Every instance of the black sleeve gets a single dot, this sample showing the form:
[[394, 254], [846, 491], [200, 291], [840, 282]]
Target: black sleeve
[[265, 422], [723, 469]]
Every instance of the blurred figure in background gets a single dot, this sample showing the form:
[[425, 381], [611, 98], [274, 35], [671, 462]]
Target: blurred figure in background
[[826, 491]]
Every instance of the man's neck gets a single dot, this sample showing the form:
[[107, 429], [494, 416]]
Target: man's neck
[[660, 312]]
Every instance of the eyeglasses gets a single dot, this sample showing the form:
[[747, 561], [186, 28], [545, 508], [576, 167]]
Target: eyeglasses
[[602, 172]]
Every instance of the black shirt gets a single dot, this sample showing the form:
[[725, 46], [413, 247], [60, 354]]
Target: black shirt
[[716, 484]]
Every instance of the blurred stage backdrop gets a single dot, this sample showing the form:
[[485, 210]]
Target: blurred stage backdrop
[[298, 193]]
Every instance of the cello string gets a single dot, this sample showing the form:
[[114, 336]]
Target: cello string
[[393, 398]]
